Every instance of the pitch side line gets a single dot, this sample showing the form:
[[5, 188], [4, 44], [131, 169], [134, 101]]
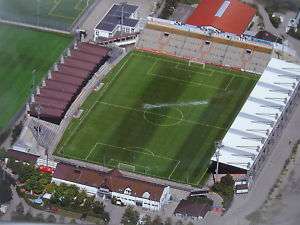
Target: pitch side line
[[104, 89], [171, 117]]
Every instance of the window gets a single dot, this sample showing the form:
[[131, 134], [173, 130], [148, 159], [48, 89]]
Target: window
[[146, 195], [248, 51], [127, 191], [97, 32]]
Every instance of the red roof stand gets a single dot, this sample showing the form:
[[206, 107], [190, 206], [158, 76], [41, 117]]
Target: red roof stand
[[230, 16]]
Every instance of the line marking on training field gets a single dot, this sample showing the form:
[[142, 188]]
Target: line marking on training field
[[181, 104], [175, 167], [228, 84], [159, 114], [104, 89]]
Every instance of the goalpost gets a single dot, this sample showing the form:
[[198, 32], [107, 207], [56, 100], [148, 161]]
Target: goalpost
[[124, 166], [194, 61]]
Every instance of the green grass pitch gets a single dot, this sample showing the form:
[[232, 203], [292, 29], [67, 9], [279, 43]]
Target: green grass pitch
[[22, 51], [158, 116], [58, 14]]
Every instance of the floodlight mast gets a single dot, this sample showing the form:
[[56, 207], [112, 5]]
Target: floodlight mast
[[218, 145]]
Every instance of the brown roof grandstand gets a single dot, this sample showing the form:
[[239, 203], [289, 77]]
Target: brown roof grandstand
[[65, 83], [113, 180]]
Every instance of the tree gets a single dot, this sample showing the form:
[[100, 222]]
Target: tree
[[5, 191], [130, 217], [98, 207], [3, 154], [227, 180], [20, 209], [168, 221], [157, 221], [51, 219]]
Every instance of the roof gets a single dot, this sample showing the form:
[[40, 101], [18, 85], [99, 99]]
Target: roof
[[22, 156], [260, 114], [230, 16], [114, 180], [66, 82], [193, 209], [113, 17]]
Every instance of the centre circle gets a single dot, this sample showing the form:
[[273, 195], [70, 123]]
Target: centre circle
[[158, 116]]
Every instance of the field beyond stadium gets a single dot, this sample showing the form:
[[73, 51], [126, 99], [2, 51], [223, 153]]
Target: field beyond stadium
[[158, 116], [22, 52], [57, 14]]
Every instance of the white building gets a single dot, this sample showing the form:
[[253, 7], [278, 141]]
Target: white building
[[120, 19], [113, 184], [246, 143]]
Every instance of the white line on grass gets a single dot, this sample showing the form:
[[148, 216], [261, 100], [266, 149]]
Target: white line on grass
[[174, 170], [152, 66], [171, 117], [104, 89], [181, 104], [128, 149], [188, 82], [228, 84], [216, 71]]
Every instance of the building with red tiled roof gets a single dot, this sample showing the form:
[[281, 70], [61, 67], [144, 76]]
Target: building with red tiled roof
[[128, 191], [229, 16]]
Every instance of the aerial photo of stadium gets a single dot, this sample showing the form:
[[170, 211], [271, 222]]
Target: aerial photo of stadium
[[158, 116], [24, 53]]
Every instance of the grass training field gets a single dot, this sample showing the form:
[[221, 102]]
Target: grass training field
[[157, 116], [22, 51], [58, 14]]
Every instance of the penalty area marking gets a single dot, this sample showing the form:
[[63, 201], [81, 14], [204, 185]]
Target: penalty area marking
[[128, 149], [215, 71]]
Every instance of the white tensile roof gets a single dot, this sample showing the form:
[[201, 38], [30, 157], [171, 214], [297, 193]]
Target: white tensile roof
[[258, 117]]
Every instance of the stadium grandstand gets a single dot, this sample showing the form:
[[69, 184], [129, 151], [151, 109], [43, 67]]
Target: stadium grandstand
[[229, 16], [202, 45], [249, 139], [65, 82]]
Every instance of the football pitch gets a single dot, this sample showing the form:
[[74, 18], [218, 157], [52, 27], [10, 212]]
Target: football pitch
[[57, 14], [22, 51], [157, 116]]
